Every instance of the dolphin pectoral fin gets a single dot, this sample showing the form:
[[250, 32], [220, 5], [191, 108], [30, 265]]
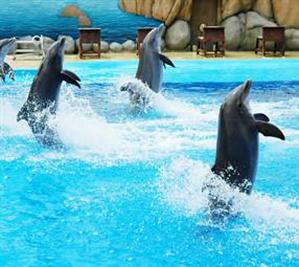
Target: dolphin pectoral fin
[[261, 117], [71, 74], [268, 129], [166, 60], [69, 78]]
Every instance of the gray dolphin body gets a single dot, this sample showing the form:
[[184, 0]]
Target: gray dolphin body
[[43, 95], [5, 46], [238, 140], [151, 62]]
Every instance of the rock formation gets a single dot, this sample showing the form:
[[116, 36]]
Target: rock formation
[[104, 47], [116, 47], [178, 35], [243, 19], [129, 45], [284, 12], [164, 10]]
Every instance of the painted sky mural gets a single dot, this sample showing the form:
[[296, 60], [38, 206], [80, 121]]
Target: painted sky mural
[[30, 17]]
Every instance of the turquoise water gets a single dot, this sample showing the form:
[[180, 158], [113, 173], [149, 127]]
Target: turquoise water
[[32, 17], [127, 191]]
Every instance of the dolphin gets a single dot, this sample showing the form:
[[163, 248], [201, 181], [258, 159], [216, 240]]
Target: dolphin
[[238, 139], [151, 62], [44, 93], [5, 46]]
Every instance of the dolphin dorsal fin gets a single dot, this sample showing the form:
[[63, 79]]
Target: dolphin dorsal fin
[[268, 129], [261, 117], [70, 77], [166, 60]]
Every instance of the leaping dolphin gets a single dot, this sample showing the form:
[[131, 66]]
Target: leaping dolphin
[[44, 93], [5, 68], [238, 140], [151, 62]]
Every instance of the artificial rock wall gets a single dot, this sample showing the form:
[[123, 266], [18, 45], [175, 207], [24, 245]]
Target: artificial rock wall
[[243, 19], [164, 10]]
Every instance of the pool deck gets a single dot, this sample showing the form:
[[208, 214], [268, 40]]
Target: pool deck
[[30, 61]]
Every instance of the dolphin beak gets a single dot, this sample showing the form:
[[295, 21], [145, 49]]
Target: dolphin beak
[[12, 41], [246, 87], [245, 90], [155, 35], [8, 42], [161, 29], [58, 46], [61, 45], [62, 41]]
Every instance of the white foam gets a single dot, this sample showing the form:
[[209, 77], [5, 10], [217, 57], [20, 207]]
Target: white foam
[[79, 126], [8, 120], [181, 186], [177, 126]]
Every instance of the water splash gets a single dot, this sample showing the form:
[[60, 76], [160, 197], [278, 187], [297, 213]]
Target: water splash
[[104, 187], [182, 187], [170, 126]]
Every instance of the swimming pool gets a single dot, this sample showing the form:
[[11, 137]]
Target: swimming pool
[[127, 191]]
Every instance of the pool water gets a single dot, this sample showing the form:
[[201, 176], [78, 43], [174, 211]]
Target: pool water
[[127, 190]]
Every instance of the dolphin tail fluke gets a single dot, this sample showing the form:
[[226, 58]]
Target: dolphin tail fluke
[[166, 60], [268, 129], [70, 77]]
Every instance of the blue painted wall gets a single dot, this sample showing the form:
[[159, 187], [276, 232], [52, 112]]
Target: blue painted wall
[[28, 17]]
